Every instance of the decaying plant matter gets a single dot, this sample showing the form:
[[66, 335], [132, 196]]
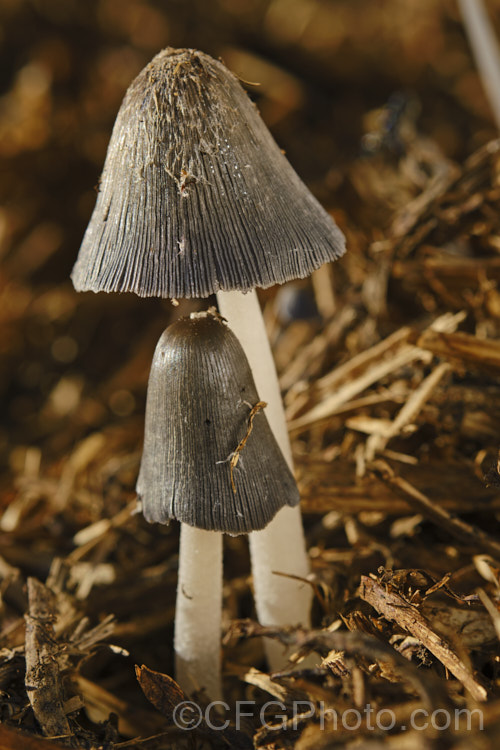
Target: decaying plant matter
[[391, 389]]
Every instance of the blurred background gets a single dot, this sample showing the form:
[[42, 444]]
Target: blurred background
[[379, 108], [324, 69]]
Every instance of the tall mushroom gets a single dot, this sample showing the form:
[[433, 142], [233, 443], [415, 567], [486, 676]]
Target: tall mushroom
[[196, 198], [211, 462]]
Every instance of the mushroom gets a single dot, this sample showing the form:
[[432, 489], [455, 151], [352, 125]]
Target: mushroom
[[195, 195], [485, 50], [199, 463], [280, 547], [210, 461], [196, 198]]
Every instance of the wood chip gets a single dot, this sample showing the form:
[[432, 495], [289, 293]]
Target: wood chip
[[395, 608], [479, 352], [43, 675], [421, 503]]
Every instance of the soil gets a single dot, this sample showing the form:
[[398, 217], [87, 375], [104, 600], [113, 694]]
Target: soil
[[388, 361]]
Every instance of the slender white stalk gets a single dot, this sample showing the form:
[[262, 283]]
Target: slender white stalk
[[484, 46], [244, 317], [198, 612], [280, 546]]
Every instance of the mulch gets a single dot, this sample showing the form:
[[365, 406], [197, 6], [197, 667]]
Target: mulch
[[389, 363]]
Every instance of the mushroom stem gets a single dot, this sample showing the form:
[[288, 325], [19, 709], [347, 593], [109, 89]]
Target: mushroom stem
[[280, 546], [485, 50], [198, 612]]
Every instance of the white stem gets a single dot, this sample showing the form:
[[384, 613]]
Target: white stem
[[198, 612], [281, 545], [485, 49]]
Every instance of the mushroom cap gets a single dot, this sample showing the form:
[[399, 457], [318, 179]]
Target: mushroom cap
[[199, 404], [195, 195]]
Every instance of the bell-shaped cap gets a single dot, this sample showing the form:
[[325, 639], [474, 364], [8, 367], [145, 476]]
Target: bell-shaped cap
[[210, 458], [196, 196]]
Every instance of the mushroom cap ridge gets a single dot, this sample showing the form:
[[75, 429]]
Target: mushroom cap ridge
[[195, 195], [200, 396]]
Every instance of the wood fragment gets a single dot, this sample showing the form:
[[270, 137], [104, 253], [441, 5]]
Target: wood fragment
[[375, 365], [322, 282], [413, 405], [393, 607], [167, 697], [364, 358], [332, 403], [476, 629], [43, 674], [326, 486], [161, 690], [259, 679], [88, 537], [307, 361], [354, 644], [464, 347], [421, 503]]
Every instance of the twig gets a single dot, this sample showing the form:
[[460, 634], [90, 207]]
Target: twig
[[422, 504], [235, 455], [334, 401], [406, 615], [43, 680], [354, 644], [484, 353], [372, 370], [408, 412]]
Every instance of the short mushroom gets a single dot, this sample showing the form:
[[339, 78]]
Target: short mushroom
[[211, 462], [196, 198]]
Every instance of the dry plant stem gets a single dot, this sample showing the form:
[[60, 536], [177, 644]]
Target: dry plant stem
[[407, 616], [280, 546], [485, 50], [458, 528], [43, 678], [198, 611]]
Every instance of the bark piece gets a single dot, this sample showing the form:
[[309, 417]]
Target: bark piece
[[43, 678]]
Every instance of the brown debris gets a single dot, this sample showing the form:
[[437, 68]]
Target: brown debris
[[12, 740], [455, 526], [354, 644], [235, 456], [454, 488], [462, 347], [160, 690], [406, 615], [167, 697], [388, 363], [43, 677]]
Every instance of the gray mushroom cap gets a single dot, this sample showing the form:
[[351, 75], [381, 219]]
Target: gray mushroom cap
[[195, 195], [201, 403]]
